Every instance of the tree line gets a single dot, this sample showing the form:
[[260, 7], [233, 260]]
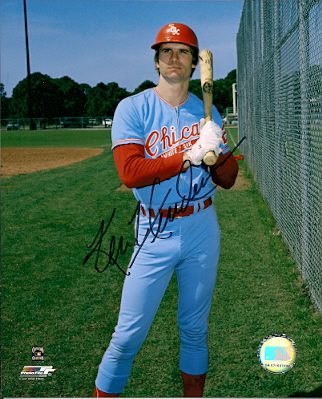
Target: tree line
[[53, 97]]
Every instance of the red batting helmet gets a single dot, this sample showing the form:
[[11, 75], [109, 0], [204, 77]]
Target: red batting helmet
[[177, 33]]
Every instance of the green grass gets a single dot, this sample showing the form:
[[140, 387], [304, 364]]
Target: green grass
[[88, 138], [232, 136], [50, 299]]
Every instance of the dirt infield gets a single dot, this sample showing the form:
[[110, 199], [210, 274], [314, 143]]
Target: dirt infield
[[17, 161], [241, 183]]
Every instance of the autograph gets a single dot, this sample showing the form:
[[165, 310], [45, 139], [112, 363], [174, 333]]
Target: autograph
[[157, 223], [115, 248]]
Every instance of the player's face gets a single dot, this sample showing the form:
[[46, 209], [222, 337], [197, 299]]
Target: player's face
[[175, 61]]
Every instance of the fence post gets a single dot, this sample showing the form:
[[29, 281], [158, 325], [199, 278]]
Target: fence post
[[305, 143]]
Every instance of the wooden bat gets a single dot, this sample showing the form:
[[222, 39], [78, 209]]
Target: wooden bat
[[206, 79]]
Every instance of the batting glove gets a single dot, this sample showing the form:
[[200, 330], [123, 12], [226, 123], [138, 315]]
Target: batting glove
[[203, 145], [210, 140], [211, 126]]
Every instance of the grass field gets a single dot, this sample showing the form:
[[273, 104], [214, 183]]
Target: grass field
[[88, 138], [50, 299]]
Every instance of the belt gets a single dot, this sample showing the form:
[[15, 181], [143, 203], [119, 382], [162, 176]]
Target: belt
[[177, 212]]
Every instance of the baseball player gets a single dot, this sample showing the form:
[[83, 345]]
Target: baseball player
[[159, 139]]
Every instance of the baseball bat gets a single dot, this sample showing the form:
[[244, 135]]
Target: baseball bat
[[206, 79]]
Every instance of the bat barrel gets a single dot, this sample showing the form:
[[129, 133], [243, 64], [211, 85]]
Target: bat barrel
[[206, 80]]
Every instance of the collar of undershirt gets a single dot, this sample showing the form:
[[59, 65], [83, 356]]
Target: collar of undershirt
[[173, 106]]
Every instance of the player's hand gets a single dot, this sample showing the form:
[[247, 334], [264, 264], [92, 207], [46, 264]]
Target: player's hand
[[197, 152], [211, 127], [211, 135], [210, 140]]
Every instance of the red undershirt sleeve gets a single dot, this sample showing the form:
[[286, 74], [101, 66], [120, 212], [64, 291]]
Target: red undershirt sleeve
[[137, 171], [225, 170]]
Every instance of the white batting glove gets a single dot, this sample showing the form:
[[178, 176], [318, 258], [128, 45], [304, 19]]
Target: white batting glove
[[211, 125], [210, 140], [197, 152], [211, 136]]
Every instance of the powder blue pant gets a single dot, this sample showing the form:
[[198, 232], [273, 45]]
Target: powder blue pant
[[192, 252]]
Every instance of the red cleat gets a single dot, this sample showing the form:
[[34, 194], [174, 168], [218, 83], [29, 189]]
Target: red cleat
[[100, 394]]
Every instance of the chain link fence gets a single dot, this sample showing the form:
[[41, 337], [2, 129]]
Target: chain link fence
[[279, 46]]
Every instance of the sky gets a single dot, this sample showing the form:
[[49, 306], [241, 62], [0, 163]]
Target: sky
[[94, 41]]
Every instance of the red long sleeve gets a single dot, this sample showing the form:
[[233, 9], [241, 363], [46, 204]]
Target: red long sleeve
[[137, 171], [225, 170]]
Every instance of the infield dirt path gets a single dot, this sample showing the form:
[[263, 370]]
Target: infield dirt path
[[17, 161]]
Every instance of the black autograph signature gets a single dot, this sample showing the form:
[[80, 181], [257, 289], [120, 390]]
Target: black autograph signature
[[116, 247], [157, 223]]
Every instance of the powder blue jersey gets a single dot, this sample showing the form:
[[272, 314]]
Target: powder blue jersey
[[148, 120]]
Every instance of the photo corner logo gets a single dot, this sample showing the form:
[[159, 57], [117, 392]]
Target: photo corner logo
[[37, 353], [277, 353], [36, 372]]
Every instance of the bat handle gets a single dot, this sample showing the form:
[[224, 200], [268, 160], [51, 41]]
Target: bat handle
[[210, 158]]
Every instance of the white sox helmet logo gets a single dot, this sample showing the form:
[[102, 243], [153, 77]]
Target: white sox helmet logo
[[174, 30]]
